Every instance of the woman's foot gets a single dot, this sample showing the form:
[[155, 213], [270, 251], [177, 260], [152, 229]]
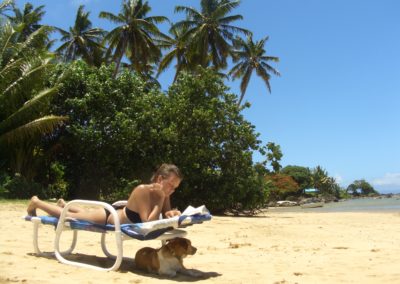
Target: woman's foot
[[32, 206], [61, 203]]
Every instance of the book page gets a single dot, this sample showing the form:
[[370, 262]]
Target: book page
[[190, 210]]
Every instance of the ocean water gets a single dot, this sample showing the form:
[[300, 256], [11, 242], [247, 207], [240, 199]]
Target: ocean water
[[351, 205]]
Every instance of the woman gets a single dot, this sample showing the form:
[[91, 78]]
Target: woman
[[145, 203]]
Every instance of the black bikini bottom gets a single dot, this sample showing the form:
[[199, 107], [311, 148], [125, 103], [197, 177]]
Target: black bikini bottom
[[107, 214], [133, 216]]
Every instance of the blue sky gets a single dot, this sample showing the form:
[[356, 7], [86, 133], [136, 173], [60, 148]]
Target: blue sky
[[337, 102]]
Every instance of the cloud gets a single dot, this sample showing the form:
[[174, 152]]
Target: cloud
[[389, 179], [389, 183], [338, 178]]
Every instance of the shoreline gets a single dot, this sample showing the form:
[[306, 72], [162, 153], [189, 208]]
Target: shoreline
[[272, 247], [364, 204]]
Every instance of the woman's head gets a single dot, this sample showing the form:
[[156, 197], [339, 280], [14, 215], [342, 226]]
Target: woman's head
[[165, 171], [169, 177]]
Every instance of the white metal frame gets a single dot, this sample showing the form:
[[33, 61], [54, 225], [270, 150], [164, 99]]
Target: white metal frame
[[63, 225]]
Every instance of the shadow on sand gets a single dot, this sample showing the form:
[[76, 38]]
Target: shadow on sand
[[128, 266]]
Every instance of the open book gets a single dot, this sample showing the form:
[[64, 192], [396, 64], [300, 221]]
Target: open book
[[190, 210], [174, 221]]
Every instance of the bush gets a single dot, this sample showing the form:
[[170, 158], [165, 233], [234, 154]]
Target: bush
[[124, 190], [57, 187], [120, 131], [18, 187], [281, 187], [4, 179]]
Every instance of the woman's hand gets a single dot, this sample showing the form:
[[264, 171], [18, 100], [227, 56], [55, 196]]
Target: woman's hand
[[157, 189], [172, 213]]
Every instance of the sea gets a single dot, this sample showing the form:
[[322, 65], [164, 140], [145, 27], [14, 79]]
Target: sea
[[351, 205]]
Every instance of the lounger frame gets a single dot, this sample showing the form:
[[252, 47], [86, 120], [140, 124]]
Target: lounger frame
[[64, 225]]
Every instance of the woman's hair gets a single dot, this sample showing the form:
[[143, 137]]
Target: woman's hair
[[165, 171]]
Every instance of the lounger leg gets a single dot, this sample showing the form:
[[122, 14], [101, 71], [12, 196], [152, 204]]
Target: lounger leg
[[73, 244], [104, 247], [35, 237], [36, 223], [60, 228]]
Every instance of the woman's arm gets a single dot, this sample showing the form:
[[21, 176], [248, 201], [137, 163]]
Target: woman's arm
[[147, 201], [168, 213]]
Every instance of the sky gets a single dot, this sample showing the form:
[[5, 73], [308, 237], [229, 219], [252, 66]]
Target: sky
[[337, 101]]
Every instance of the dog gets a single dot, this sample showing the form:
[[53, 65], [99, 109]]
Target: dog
[[167, 260]]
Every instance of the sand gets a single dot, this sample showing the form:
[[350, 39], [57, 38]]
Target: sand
[[270, 248]]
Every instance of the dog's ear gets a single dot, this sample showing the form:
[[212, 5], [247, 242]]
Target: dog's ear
[[170, 248], [184, 243], [170, 240]]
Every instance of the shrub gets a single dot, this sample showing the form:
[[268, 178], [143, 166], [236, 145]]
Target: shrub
[[120, 131], [18, 187]]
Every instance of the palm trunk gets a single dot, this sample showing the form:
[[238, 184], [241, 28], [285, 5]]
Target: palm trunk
[[117, 67]]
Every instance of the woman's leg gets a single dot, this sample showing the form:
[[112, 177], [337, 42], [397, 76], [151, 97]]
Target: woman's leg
[[96, 215], [50, 209], [61, 203]]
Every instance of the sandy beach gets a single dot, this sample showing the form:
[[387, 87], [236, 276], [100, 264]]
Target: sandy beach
[[272, 247]]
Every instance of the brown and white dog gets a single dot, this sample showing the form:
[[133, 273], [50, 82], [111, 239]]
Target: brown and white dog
[[167, 260]]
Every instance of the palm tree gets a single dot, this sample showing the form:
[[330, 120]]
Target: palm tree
[[177, 50], [5, 6], [135, 35], [23, 97], [323, 182], [27, 20], [82, 40], [209, 32], [251, 57]]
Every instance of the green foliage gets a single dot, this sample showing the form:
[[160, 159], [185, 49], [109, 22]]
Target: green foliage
[[177, 51], [343, 194], [122, 192], [209, 32], [27, 20], [361, 187], [19, 187], [211, 141], [274, 155], [135, 36], [110, 131], [250, 56], [82, 41], [5, 5], [24, 98], [120, 130], [302, 175], [321, 180], [4, 179], [57, 186]]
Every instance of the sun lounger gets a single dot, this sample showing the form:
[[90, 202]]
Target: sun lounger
[[162, 229]]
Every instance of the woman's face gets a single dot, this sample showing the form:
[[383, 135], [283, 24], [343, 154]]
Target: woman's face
[[169, 184]]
